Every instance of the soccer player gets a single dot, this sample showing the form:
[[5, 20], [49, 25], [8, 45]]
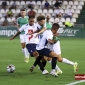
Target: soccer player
[[47, 37], [56, 48], [41, 25], [41, 28], [20, 22], [31, 40]]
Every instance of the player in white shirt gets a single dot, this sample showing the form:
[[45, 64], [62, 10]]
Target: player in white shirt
[[31, 40], [42, 27], [42, 50], [29, 28], [41, 24], [56, 48]]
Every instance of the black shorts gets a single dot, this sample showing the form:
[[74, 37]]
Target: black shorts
[[31, 48], [44, 52]]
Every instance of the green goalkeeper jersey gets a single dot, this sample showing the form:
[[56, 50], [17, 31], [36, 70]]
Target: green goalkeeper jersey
[[21, 21]]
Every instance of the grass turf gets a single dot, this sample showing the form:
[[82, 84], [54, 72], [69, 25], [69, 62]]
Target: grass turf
[[10, 53]]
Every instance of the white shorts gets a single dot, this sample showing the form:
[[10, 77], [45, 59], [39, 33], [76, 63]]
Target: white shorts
[[56, 48], [22, 38]]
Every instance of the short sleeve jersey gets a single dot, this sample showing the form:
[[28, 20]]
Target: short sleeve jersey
[[30, 39], [44, 40]]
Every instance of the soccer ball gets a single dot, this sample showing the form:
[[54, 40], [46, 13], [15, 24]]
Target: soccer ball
[[10, 68]]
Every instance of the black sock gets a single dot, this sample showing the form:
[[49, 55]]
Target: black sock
[[37, 60], [44, 63], [54, 61], [41, 66]]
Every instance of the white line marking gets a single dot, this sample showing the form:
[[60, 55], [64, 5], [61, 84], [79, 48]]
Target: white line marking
[[77, 82]]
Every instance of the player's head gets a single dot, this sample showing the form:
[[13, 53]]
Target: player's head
[[41, 20], [23, 12], [31, 20], [55, 28]]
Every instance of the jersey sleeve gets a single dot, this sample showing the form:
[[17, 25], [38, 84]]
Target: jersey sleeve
[[22, 28], [49, 36]]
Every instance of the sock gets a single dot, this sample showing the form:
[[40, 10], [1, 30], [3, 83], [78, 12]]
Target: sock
[[67, 61], [50, 61], [28, 54], [54, 61], [37, 60], [44, 63], [41, 66], [57, 68], [25, 53], [22, 50]]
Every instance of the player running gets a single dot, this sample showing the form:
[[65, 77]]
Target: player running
[[20, 22], [42, 50], [42, 27], [56, 48], [31, 40]]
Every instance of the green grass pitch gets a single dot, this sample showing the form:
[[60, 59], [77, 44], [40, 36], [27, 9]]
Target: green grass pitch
[[10, 53]]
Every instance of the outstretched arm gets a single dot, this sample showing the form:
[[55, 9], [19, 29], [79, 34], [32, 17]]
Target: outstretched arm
[[41, 31], [15, 35]]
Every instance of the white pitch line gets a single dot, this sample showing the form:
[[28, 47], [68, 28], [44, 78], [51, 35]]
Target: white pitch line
[[77, 82]]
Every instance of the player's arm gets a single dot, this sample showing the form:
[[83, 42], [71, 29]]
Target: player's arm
[[51, 41], [41, 31], [16, 23], [15, 35], [19, 31]]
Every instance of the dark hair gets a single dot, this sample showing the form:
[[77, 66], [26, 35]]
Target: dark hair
[[41, 17], [22, 9], [31, 17], [55, 26]]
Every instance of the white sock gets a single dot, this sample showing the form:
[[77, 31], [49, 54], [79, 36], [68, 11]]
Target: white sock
[[49, 61], [67, 61], [57, 68], [25, 53], [22, 50]]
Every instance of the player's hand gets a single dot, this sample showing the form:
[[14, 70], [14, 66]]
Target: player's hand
[[36, 35], [11, 38], [55, 41]]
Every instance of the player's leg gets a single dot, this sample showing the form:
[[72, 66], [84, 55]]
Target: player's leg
[[56, 48], [59, 71], [58, 51], [44, 61], [24, 49], [48, 53], [32, 50]]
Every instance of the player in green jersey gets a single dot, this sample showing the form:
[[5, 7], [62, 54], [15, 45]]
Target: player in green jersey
[[21, 21]]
